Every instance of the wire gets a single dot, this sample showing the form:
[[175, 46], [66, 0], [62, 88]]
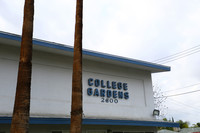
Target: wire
[[182, 87], [182, 110], [179, 55], [178, 94], [190, 49], [181, 93], [187, 105]]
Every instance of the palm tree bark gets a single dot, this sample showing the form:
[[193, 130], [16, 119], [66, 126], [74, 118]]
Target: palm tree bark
[[76, 106], [20, 120]]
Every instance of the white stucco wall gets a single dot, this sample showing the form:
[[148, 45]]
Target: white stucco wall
[[51, 87], [85, 129]]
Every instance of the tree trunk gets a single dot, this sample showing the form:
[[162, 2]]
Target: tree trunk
[[20, 120], [76, 106]]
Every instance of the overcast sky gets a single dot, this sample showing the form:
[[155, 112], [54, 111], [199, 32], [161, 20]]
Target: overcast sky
[[139, 29]]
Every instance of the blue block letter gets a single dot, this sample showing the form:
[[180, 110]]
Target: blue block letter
[[102, 84], [109, 94], [89, 91], [114, 86], [126, 95], [108, 84], [90, 81], [125, 86], [114, 94], [102, 93], [96, 92], [119, 85], [120, 94], [97, 82]]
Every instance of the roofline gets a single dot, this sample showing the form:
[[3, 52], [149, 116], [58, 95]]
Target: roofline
[[87, 52], [42, 120]]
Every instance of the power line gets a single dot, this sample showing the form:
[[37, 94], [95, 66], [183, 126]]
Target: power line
[[181, 93], [179, 104], [179, 55], [182, 108], [183, 87], [190, 49], [178, 94], [187, 105]]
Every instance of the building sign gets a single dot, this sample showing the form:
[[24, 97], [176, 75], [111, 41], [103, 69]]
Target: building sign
[[109, 91]]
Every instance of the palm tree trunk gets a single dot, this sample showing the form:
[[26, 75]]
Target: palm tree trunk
[[76, 106], [20, 120]]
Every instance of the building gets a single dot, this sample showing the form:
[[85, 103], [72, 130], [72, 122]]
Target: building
[[117, 91]]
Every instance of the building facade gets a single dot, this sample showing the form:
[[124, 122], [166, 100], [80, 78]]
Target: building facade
[[117, 91]]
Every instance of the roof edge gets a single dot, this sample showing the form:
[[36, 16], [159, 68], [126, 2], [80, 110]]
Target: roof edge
[[87, 52], [42, 120]]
